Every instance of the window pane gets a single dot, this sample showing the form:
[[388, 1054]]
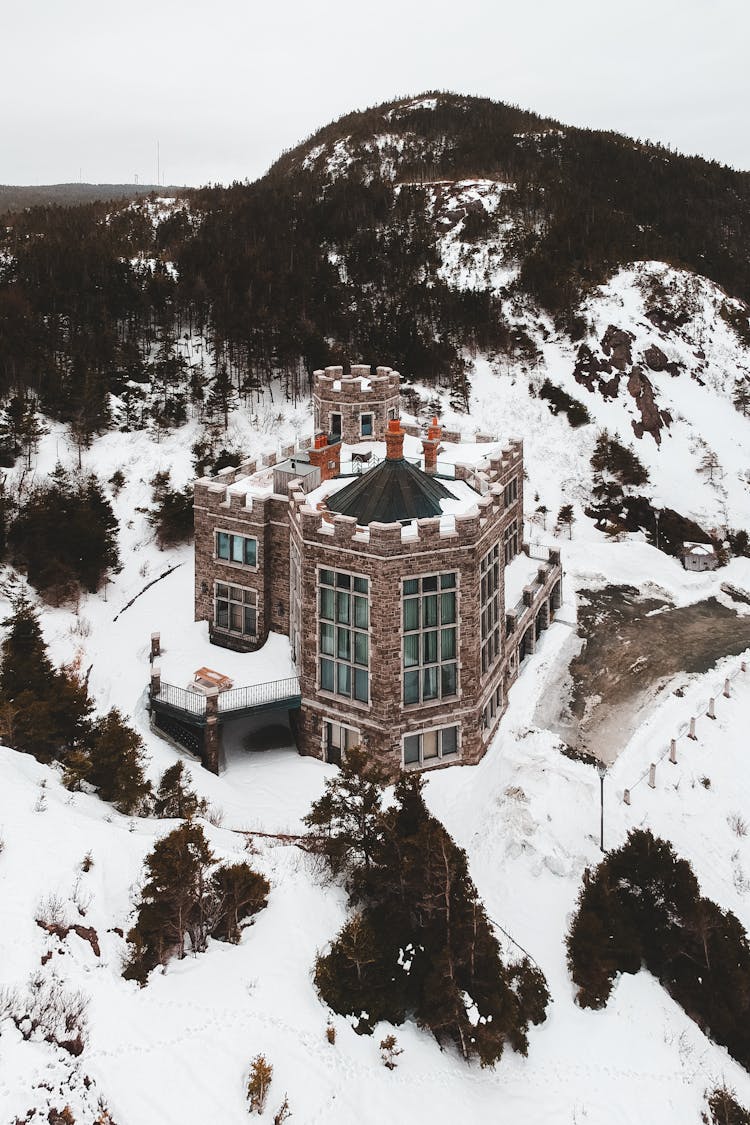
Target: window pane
[[411, 749], [235, 617], [326, 675], [343, 602], [326, 638], [222, 544], [361, 585], [251, 546], [448, 644], [343, 644], [222, 591], [411, 613], [447, 581], [449, 741], [448, 679], [429, 584], [366, 425], [430, 610], [343, 679], [429, 683], [237, 549], [326, 604], [250, 621], [343, 581], [360, 685], [250, 597], [360, 613], [411, 586], [429, 745], [411, 650], [447, 608], [222, 615], [360, 649], [235, 593], [411, 687], [429, 646], [326, 577]]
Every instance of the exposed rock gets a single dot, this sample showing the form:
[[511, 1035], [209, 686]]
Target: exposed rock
[[652, 418], [85, 933], [656, 360], [667, 320], [588, 372], [616, 344]]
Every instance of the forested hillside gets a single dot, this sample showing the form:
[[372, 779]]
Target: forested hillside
[[338, 253]]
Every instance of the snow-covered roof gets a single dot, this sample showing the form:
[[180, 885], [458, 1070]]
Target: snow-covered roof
[[698, 548]]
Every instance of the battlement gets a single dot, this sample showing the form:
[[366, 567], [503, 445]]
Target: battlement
[[460, 529], [357, 388]]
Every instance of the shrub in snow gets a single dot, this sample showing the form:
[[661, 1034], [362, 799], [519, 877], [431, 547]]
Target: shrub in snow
[[258, 1084], [283, 1113], [65, 536], [389, 1051], [559, 400], [111, 757], [172, 518], [175, 796], [642, 906], [724, 1109], [420, 941], [187, 899], [43, 711], [614, 460], [48, 1011]]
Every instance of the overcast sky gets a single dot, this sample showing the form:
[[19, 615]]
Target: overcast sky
[[88, 87]]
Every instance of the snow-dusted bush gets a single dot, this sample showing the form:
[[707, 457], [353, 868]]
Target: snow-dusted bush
[[420, 942], [642, 906], [47, 1010], [258, 1084]]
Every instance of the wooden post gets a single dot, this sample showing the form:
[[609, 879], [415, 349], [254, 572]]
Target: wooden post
[[155, 680], [711, 708], [691, 733], [743, 666], [673, 751], [626, 796], [155, 646], [212, 732], [652, 775], [726, 691]]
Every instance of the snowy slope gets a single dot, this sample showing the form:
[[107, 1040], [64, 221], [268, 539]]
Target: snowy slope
[[528, 817]]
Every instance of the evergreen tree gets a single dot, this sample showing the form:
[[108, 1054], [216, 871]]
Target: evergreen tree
[[115, 763], [175, 796], [345, 821], [238, 893], [173, 905]]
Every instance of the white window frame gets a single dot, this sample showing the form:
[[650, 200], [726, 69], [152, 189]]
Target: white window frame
[[252, 603], [367, 414], [342, 728], [423, 665], [490, 580], [423, 762], [353, 630], [235, 535]]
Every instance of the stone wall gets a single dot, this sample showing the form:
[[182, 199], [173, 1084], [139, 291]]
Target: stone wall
[[357, 394]]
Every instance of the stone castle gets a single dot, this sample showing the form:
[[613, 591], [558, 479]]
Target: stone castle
[[394, 563]]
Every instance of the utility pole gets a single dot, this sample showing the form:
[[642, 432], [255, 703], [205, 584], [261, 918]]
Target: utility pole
[[602, 770]]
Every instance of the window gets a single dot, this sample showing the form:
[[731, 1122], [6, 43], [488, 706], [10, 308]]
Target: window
[[236, 548], [430, 642], [510, 492], [343, 633], [490, 607], [336, 425], [430, 745], [510, 541], [392, 414], [235, 609], [339, 739], [493, 708], [365, 421]]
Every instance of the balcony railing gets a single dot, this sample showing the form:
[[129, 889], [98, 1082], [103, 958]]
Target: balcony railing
[[254, 697]]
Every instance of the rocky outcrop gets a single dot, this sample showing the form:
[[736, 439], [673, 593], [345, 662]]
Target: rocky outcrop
[[652, 418], [656, 360], [616, 345]]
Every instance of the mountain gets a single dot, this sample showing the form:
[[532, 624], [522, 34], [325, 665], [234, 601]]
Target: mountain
[[583, 291]]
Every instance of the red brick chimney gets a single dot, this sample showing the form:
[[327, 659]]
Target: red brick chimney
[[326, 457], [394, 441], [430, 446]]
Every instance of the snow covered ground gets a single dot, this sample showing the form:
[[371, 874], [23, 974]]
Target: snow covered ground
[[179, 1050]]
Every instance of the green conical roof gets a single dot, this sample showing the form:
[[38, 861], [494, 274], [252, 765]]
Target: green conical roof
[[394, 492]]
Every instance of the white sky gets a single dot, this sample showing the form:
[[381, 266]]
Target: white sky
[[88, 87]]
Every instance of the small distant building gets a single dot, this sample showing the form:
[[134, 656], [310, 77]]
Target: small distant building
[[699, 556]]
